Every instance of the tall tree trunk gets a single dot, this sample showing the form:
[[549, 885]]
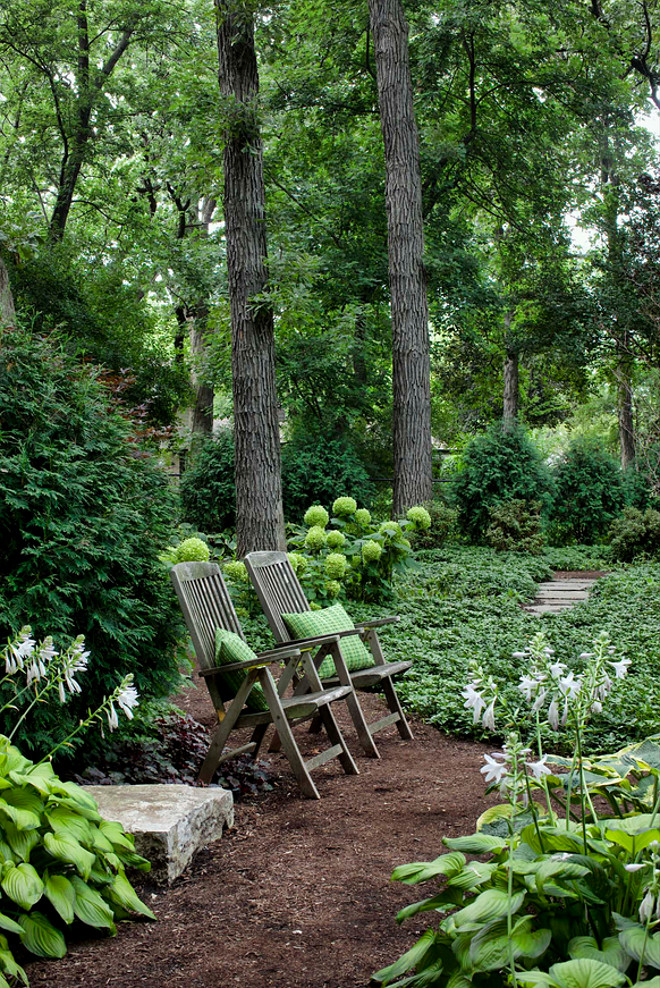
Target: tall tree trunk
[[7, 310], [259, 515], [202, 412], [625, 412], [411, 371], [511, 388]]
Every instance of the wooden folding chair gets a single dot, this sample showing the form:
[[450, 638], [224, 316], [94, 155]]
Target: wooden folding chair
[[280, 592], [207, 606]]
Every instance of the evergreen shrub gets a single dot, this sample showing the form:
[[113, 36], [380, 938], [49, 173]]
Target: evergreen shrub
[[589, 494], [443, 527], [515, 526], [315, 467], [83, 515], [500, 464], [635, 533], [208, 491]]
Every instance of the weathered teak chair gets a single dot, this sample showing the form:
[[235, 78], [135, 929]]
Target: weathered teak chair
[[283, 599], [244, 692]]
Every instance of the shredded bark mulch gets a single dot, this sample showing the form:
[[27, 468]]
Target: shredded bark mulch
[[298, 894]]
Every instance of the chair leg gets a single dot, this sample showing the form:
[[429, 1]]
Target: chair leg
[[402, 725], [336, 737], [287, 739], [357, 714], [258, 735], [214, 754]]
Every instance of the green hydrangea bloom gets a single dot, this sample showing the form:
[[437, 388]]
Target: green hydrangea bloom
[[236, 571], [371, 551], [335, 565], [336, 539], [193, 551], [333, 588], [316, 515], [419, 516], [299, 562], [363, 517], [405, 543], [315, 538], [391, 529], [344, 506]]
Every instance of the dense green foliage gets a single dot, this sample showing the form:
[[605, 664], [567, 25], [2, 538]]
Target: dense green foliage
[[589, 493], [635, 533], [443, 528], [315, 467], [83, 515], [500, 464], [515, 526], [208, 492]]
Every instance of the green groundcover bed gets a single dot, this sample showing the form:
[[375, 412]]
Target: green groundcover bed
[[464, 603]]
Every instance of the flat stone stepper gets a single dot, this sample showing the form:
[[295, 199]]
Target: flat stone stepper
[[559, 595], [169, 823]]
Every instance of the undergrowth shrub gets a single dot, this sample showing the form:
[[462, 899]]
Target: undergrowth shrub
[[515, 526], [635, 533], [83, 515], [501, 464], [314, 467], [589, 494], [443, 528], [207, 488]]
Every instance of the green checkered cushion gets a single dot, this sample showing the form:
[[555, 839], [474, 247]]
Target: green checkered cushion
[[231, 648], [307, 624]]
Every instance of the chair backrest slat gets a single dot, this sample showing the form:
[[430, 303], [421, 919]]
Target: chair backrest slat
[[206, 605], [278, 589]]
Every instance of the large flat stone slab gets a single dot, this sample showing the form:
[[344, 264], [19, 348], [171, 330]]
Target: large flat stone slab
[[169, 823]]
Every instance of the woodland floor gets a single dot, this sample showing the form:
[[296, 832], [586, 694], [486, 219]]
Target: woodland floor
[[298, 894]]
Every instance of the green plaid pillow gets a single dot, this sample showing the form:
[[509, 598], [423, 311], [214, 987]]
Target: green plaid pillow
[[307, 624], [231, 648]]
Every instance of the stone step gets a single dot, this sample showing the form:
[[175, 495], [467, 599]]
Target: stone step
[[547, 608], [567, 585], [169, 823], [562, 595]]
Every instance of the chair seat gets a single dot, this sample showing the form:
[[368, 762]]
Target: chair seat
[[374, 674]]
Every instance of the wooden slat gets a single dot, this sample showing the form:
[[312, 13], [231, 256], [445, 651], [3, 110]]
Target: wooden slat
[[383, 722], [323, 757]]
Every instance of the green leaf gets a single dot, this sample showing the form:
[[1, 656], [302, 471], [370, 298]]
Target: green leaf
[[122, 892], [23, 885], [473, 874], [611, 952], [6, 923], [635, 942], [476, 843], [421, 871], [70, 823], [586, 973], [635, 842], [489, 905], [66, 849], [501, 811], [25, 799], [90, 908], [407, 961], [447, 898], [60, 893], [116, 834], [21, 841], [8, 962], [22, 819], [40, 936]]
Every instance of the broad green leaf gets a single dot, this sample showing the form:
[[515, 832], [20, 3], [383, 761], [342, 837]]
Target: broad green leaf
[[68, 822], [40, 776], [23, 885], [635, 824], [633, 843], [584, 972], [651, 983], [611, 952], [122, 892], [22, 819], [636, 943], [489, 905], [476, 843], [9, 964], [443, 901], [473, 874], [532, 979], [531, 943], [6, 923], [40, 936], [66, 849], [21, 841], [407, 961], [25, 799], [116, 834], [554, 840], [6, 853], [558, 868], [90, 908], [646, 754], [100, 842], [60, 893], [421, 871], [501, 811]]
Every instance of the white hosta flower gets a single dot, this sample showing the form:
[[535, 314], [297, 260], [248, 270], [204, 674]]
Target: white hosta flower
[[496, 768], [127, 699], [635, 867], [519, 655], [553, 715], [570, 686], [539, 768], [621, 668], [19, 651], [113, 720], [539, 701], [557, 669], [473, 701], [488, 719], [646, 907], [596, 707], [529, 686]]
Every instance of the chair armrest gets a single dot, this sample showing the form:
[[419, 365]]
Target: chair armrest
[[283, 651], [307, 643], [377, 623], [257, 663]]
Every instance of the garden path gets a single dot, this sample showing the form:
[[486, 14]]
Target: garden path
[[562, 593]]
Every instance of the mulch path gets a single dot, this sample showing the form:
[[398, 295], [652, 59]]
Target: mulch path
[[298, 894]]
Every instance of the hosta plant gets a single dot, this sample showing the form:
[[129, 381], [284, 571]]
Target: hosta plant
[[60, 862], [562, 894]]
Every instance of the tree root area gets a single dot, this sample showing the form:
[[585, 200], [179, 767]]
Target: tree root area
[[298, 894]]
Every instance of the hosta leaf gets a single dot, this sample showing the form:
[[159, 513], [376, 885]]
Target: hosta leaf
[[40, 936], [41, 777], [586, 973], [68, 822], [9, 965], [25, 799], [6, 853], [611, 952], [116, 835], [122, 892], [554, 868], [476, 843], [90, 908], [75, 798], [502, 811], [447, 899], [6, 923], [421, 871], [100, 842], [21, 841], [66, 849], [635, 942], [23, 885], [60, 893], [489, 905], [409, 960], [473, 874], [22, 819], [651, 983]]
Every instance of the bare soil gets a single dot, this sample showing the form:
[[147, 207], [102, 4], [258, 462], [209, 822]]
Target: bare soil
[[298, 894]]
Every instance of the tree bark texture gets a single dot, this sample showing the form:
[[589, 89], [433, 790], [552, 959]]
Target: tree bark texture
[[511, 387], [259, 514], [625, 412], [7, 310], [410, 330]]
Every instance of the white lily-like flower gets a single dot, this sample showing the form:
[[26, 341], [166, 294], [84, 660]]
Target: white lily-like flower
[[539, 701], [570, 686], [557, 669], [496, 768], [637, 866], [473, 701], [539, 768], [553, 715], [488, 719], [113, 720], [127, 699], [596, 707], [529, 686], [646, 907], [620, 668]]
